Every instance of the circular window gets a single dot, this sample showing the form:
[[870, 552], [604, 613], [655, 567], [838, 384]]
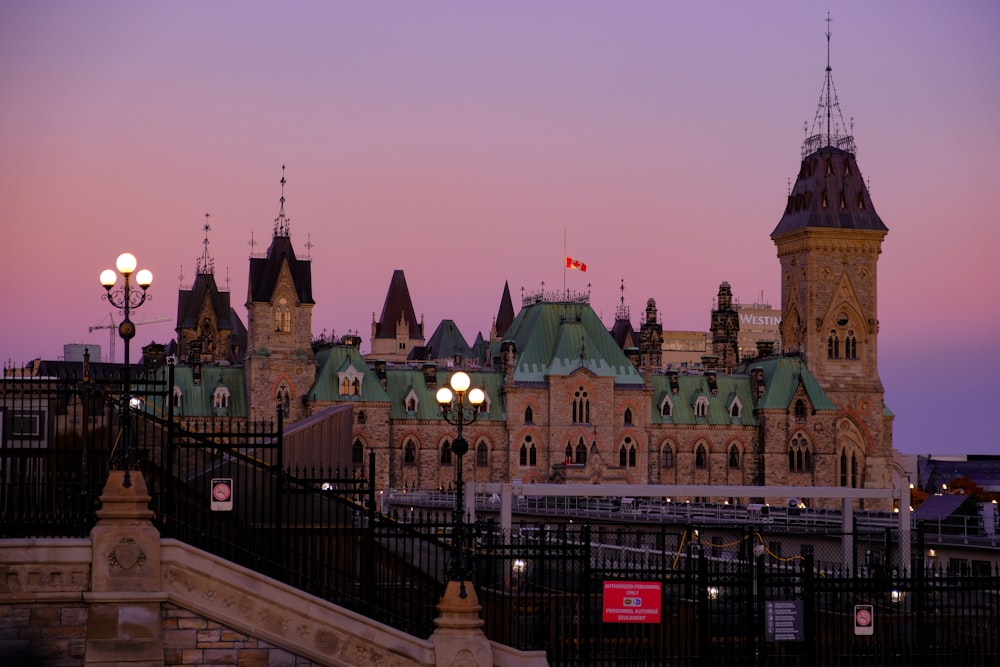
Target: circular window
[[842, 319]]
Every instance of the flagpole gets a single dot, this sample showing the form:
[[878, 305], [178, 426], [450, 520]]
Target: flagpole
[[565, 255]]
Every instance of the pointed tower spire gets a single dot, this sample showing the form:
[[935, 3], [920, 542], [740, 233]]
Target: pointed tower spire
[[205, 264], [281, 223], [828, 127], [505, 314]]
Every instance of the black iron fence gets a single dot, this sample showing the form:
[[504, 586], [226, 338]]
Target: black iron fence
[[625, 594]]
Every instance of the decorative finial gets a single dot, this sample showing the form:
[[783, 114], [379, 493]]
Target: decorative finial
[[251, 243], [828, 127], [281, 222], [309, 245], [205, 264], [180, 277]]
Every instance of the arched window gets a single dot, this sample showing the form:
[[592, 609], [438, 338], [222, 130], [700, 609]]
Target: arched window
[[446, 452], [622, 456], [628, 416], [799, 456], [668, 456], [482, 455], [528, 415], [532, 455], [581, 407], [581, 452], [569, 453], [176, 397], [362, 417], [523, 459], [220, 399], [734, 456], [666, 407], [833, 346], [700, 457], [850, 346], [357, 452], [631, 456], [701, 407], [800, 410], [843, 469], [409, 453], [283, 399]]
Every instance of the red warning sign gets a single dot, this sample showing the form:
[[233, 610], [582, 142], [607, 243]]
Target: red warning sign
[[864, 619], [632, 601]]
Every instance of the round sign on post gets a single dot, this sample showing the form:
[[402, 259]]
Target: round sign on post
[[864, 619], [222, 494]]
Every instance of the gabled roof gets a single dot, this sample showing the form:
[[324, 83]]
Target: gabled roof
[[558, 338], [397, 305], [690, 387], [829, 193], [264, 272], [336, 359], [189, 303], [782, 377]]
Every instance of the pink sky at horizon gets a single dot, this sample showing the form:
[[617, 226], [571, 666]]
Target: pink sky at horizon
[[657, 138]]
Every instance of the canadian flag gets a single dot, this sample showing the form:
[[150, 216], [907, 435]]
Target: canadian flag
[[575, 264]]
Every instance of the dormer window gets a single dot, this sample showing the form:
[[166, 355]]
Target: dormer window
[[350, 381], [412, 402], [220, 399], [177, 397], [800, 410], [735, 408], [666, 406], [701, 407], [823, 202]]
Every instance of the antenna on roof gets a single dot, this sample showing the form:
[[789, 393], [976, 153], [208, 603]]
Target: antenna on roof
[[309, 245]]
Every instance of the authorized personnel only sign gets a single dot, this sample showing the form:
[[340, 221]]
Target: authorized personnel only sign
[[632, 601]]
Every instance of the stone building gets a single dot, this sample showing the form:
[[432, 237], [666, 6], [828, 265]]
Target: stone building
[[572, 400]]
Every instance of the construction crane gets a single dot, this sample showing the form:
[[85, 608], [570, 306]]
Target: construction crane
[[113, 326]]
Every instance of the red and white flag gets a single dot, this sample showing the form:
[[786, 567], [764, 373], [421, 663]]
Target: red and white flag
[[575, 264]]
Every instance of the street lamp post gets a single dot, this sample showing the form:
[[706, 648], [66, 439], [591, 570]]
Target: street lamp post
[[452, 400], [126, 298]]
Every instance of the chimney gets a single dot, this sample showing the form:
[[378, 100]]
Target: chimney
[[757, 382], [672, 378], [710, 362], [430, 376], [380, 372]]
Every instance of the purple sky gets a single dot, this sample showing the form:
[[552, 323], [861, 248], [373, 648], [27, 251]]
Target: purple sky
[[461, 141]]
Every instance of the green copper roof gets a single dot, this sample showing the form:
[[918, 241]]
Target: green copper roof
[[330, 361], [198, 399], [404, 383], [557, 338], [782, 376], [730, 389]]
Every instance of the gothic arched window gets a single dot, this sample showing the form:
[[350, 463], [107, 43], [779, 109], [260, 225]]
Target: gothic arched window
[[700, 457]]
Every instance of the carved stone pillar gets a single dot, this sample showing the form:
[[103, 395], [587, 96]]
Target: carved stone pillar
[[124, 626], [459, 640]]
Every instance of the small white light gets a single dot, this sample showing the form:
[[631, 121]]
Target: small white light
[[460, 382]]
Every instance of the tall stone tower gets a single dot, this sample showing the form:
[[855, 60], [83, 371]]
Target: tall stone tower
[[208, 330], [280, 366], [828, 241], [726, 331], [651, 339]]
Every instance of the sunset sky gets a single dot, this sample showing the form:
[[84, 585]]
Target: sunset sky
[[467, 142]]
